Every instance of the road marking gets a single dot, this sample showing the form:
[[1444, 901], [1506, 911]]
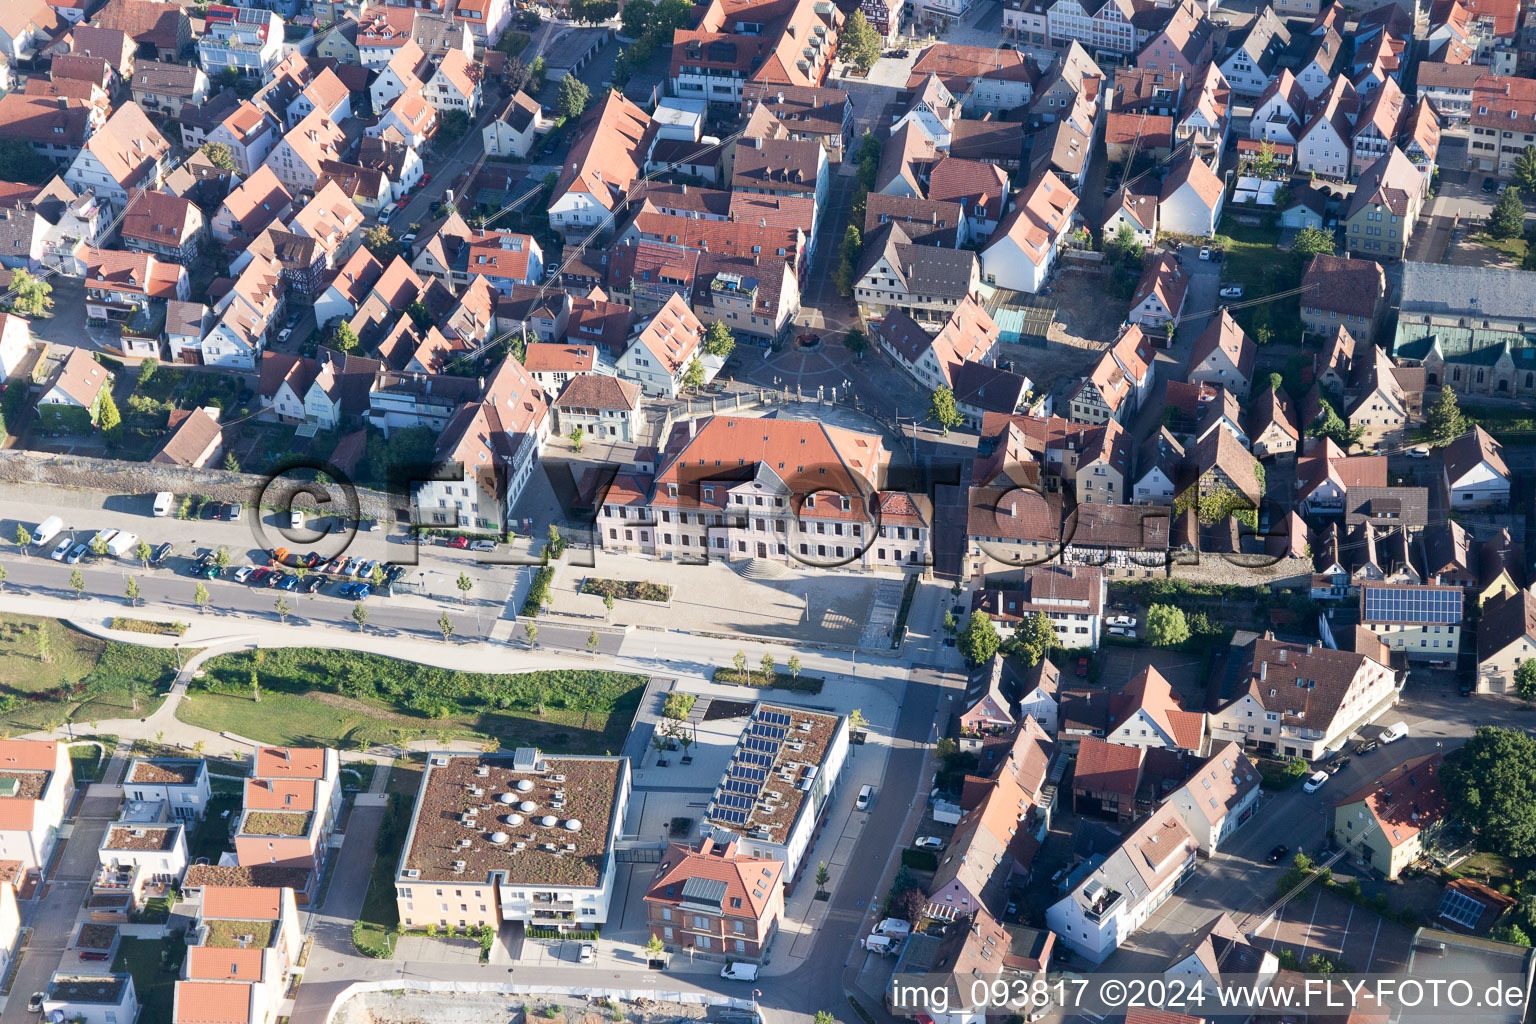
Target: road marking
[[1306, 937], [1372, 956], [1345, 937]]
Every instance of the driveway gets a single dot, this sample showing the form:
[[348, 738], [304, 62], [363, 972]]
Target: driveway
[[67, 325]]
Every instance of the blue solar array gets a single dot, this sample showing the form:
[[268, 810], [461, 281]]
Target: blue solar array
[[761, 746], [741, 786], [772, 732], [1390, 604], [774, 718], [731, 816], [734, 800], [742, 771]]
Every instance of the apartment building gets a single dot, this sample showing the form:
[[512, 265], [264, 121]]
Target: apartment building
[[1423, 621], [247, 39], [1389, 823], [1072, 597], [513, 838], [240, 956], [1502, 123], [181, 784], [780, 781], [713, 900], [291, 803], [36, 787]]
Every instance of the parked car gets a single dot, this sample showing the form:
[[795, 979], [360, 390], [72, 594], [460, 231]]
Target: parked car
[[1365, 747], [459, 542], [259, 577], [1082, 666], [281, 579], [161, 553], [311, 584], [1122, 620], [1394, 732], [1314, 782], [355, 591], [1338, 766], [232, 512], [76, 553], [92, 954], [164, 502], [1278, 854], [295, 519], [928, 843], [1417, 453], [866, 797], [1125, 631], [586, 953], [1232, 291], [35, 1003], [244, 573], [1205, 252], [483, 545], [63, 549], [739, 972], [1489, 185]]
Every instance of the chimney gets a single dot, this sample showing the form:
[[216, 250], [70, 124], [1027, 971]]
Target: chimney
[[693, 427], [685, 188], [1263, 670]]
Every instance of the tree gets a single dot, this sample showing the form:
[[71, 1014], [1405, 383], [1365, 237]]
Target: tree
[[572, 97], [3, 575], [1445, 420], [445, 626], [718, 340], [131, 592], [283, 609], [1265, 165], [823, 1017], [107, 417], [1524, 173], [220, 155], [979, 640], [200, 597], [1508, 217], [852, 248], [376, 575], [592, 641], [693, 377], [1036, 636], [77, 583], [231, 463], [951, 624], [1124, 247], [1277, 383], [739, 659], [943, 410], [532, 633], [654, 949], [767, 666], [20, 162], [43, 642], [1491, 784], [360, 616], [23, 537], [608, 606], [98, 546], [636, 18], [381, 242], [823, 876], [859, 43], [344, 338], [793, 664], [536, 72], [856, 341], [1166, 626], [576, 436], [464, 585], [1331, 425], [1525, 679], [451, 127], [515, 73], [147, 370], [143, 552], [255, 685], [1511, 933], [30, 295], [1311, 242], [221, 558]]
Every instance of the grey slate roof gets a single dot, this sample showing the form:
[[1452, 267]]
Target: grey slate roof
[[1477, 291], [921, 269]]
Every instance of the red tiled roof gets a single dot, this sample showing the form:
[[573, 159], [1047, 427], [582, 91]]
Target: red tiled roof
[[1105, 767]]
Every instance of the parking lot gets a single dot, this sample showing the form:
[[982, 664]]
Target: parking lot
[[1320, 922]]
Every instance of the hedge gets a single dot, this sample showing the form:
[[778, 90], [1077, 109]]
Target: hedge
[[149, 626], [921, 860], [538, 593]]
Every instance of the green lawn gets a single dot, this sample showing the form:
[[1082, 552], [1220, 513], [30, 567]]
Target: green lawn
[[86, 760], [340, 698], [1491, 868], [154, 964], [374, 931], [1514, 248], [1252, 260], [83, 679]]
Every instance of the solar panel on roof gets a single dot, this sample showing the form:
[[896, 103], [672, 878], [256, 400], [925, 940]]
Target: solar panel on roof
[[773, 732], [741, 786], [730, 816], [742, 771], [1431, 605], [734, 800], [774, 717], [762, 746], [760, 760]]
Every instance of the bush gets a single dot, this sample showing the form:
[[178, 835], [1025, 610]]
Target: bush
[[149, 626], [920, 860], [781, 680], [678, 705], [633, 590]]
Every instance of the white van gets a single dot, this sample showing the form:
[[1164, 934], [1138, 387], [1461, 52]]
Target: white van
[[895, 927], [388, 212], [122, 545], [47, 530], [1394, 732], [866, 797], [164, 502], [882, 944], [739, 972]]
